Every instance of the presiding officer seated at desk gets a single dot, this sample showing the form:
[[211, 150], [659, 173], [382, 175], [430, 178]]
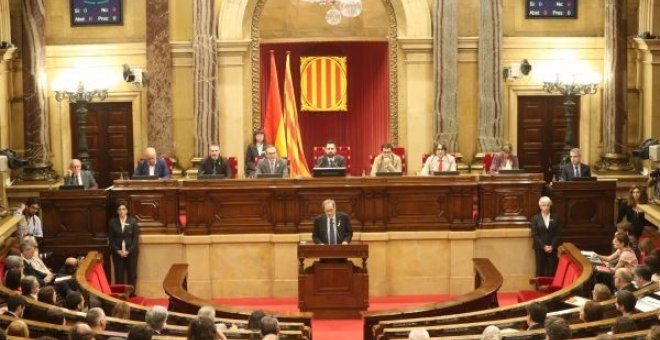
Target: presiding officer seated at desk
[[215, 164], [576, 168], [504, 160], [151, 165], [387, 161], [439, 162], [331, 159], [77, 176], [332, 227], [272, 164]]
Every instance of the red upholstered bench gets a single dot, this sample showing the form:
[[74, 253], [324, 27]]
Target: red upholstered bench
[[565, 274], [97, 279]]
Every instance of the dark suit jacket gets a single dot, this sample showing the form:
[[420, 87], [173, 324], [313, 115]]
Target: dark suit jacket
[[280, 167], [545, 236], [221, 167], [130, 234], [162, 171], [344, 229], [28, 270], [8, 313], [324, 162], [629, 287], [498, 162], [566, 173], [87, 179], [252, 153]]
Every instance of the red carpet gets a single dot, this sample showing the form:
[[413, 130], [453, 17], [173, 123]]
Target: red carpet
[[338, 329]]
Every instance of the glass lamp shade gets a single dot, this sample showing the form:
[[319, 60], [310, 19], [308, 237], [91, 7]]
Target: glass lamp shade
[[333, 16], [350, 8]]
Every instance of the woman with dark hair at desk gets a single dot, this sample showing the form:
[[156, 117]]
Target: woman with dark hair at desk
[[123, 235], [256, 149], [631, 212]]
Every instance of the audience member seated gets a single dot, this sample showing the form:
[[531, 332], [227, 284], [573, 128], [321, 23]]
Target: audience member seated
[[272, 164], [628, 230], [47, 295], [601, 293], [96, 320], [13, 279], [140, 332], [156, 318], [642, 276], [623, 280], [536, 313], [31, 223], [204, 329], [18, 329], [557, 328], [121, 310], [491, 333], [386, 161], [256, 150], [629, 212], [206, 312], [13, 261], [440, 161], [215, 164], [81, 331], [419, 334], [77, 176], [625, 302], [653, 261], [55, 316], [69, 268], [504, 160], [331, 159], [30, 287], [269, 328], [152, 165], [75, 301], [623, 324], [576, 168], [591, 311], [623, 253], [15, 306], [33, 264], [254, 320]]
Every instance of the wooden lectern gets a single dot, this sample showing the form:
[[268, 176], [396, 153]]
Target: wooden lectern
[[333, 287]]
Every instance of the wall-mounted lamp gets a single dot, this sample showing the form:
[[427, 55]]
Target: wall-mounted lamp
[[135, 76], [515, 70]]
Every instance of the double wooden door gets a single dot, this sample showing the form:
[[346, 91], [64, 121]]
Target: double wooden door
[[542, 127], [109, 138]]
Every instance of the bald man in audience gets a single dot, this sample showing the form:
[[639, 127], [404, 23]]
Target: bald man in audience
[[68, 270], [96, 320], [623, 280], [152, 165], [81, 331], [77, 176]]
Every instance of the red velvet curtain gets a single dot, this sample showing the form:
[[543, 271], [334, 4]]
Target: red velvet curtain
[[365, 126]]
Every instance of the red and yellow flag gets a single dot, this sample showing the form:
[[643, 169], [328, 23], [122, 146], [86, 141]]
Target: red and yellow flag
[[273, 121], [323, 84], [297, 161]]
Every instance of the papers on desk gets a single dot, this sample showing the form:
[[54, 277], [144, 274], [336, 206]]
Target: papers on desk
[[588, 253], [576, 301], [647, 304], [591, 256]]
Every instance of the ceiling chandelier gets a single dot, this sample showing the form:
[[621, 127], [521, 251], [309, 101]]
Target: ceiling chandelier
[[339, 9]]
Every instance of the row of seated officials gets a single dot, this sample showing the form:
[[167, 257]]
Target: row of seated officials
[[22, 275], [262, 160]]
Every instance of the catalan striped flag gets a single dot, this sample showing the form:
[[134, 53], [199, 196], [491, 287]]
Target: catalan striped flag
[[297, 160], [323, 84], [274, 121]]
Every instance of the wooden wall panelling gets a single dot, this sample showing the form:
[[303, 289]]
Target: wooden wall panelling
[[154, 204]]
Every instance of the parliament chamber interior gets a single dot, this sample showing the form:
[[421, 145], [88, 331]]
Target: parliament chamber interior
[[330, 169]]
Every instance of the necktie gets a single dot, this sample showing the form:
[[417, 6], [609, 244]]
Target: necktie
[[272, 167], [333, 232], [214, 167], [440, 165], [332, 163], [577, 173]]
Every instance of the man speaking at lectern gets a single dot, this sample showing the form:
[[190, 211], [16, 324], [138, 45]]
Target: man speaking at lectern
[[332, 227]]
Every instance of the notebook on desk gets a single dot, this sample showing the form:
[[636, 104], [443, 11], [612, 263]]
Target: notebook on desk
[[329, 172], [144, 177], [390, 174]]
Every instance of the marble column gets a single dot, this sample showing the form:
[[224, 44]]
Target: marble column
[[35, 108], [614, 157], [490, 76], [649, 17], [159, 69], [445, 68], [205, 68], [5, 24]]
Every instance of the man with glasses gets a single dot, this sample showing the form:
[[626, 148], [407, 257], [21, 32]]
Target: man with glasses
[[332, 227], [387, 161], [272, 164], [575, 168], [331, 159], [77, 176], [439, 162]]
